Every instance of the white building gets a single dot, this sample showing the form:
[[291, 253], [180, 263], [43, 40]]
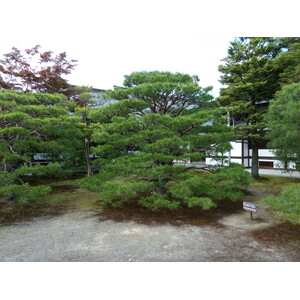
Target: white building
[[241, 153]]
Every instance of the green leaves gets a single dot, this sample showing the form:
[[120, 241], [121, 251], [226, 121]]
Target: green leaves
[[138, 78], [287, 204], [251, 73], [161, 118], [35, 124], [164, 92], [157, 201], [283, 121], [116, 194], [41, 111], [205, 190], [21, 98], [24, 194], [138, 152]]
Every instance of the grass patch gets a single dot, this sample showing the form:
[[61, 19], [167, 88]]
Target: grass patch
[[55, 198], [274, 184], [65, 195], [87, 200], [68, 192], [284, 197], [287, 204]]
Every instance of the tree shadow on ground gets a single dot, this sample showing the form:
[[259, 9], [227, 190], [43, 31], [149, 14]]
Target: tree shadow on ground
[[285, 235], [281, 233], [191, 216], [12, 212]]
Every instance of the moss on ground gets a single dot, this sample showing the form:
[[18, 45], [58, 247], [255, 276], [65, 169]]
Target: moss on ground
[[65, 195], [274, 184]]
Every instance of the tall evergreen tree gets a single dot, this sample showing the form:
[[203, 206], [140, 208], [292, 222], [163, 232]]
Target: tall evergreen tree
[[83, 109], [289, 61], [283, 120], [162, 118], [252, 77]]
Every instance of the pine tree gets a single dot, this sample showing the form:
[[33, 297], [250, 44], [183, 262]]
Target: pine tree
[[163, 118], [283, 120], [31, 124], [83, 108], [252, 77]]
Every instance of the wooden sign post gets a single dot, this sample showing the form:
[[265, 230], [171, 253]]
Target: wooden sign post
[[250, 207]]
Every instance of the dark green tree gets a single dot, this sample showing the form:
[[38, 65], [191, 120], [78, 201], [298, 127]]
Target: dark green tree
[[83, 110], [252, 77], [163, 119], [35, 124], [289, 61], [164, 93], [283, 121]]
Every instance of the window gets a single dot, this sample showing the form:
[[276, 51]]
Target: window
[[266, 164]]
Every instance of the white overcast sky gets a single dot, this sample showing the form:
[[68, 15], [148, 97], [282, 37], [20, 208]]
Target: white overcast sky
[[113, 38]]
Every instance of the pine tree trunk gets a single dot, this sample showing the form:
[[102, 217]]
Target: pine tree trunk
[[87, 155], [254, 165]]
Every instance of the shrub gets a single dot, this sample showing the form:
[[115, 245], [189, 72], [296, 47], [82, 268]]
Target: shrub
[[157, 201], [184, 189], [35, 194], [24, 193], [116, 194], [287, 204], [205, 190]]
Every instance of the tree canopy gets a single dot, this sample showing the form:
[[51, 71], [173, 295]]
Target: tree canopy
[[289, 61], [164, 92], [35, 124], [283, 120]]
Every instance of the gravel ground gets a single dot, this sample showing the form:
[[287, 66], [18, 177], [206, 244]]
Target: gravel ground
[[85, 236]]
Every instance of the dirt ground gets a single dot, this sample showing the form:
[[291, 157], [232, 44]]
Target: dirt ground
[[137, 235]]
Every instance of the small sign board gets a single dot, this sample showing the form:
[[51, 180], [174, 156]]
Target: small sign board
[[249, 206]]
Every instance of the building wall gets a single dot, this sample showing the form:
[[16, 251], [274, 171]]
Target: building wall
[[241, 154]]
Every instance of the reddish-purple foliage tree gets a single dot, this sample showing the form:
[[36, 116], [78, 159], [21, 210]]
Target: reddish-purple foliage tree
[[33, 70]]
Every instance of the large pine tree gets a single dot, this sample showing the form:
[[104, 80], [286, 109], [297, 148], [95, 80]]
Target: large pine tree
[[283, 119], [251, 74], [161, 118]]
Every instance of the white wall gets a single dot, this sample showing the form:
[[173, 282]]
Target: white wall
[[237, 151]]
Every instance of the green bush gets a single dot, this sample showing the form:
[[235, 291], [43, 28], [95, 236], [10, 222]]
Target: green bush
[[116, 194], [184, 189], [52, 169], [235, 174], [157, 201], [24, 193], [205, 190], [287, 204], [35, 194], [203, 202]]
